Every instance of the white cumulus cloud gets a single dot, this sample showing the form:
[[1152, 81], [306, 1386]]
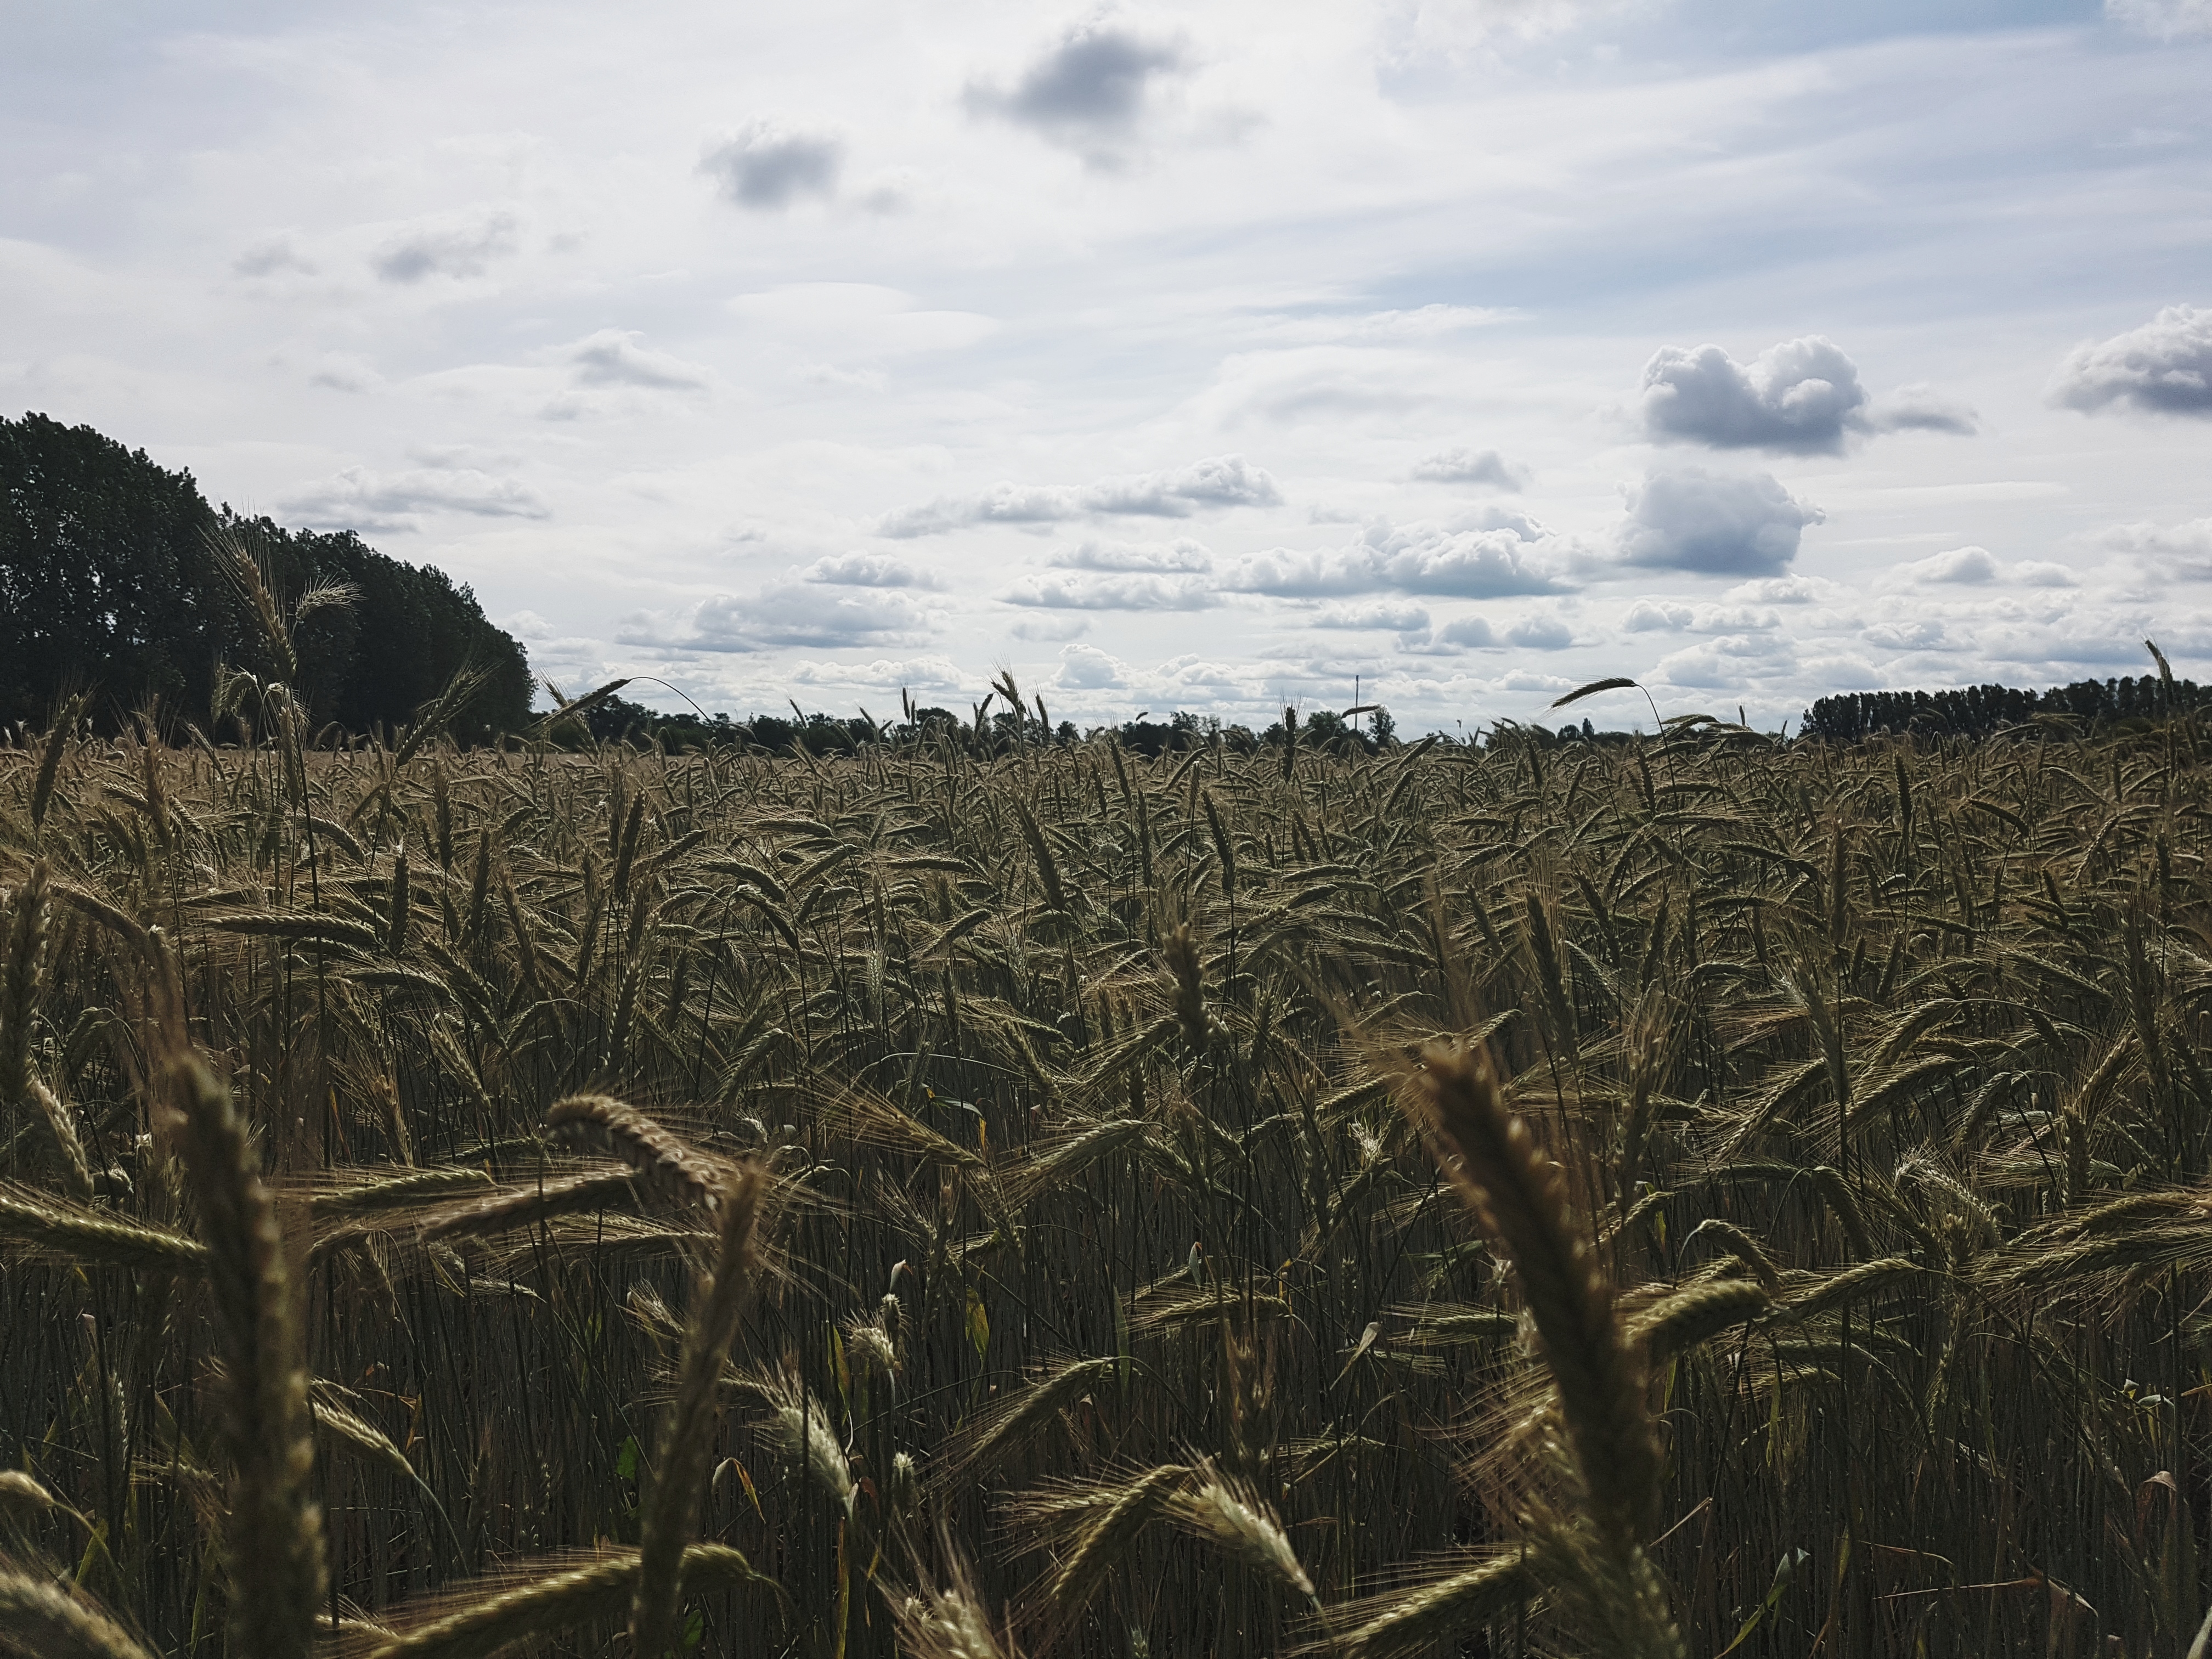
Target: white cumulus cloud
[[1181, 554], [1086, 668], [783, 614], [1959, 565], [1713, 523], [869, 570], [1802, 397], [1133, 591], [2164, 367], [1420, 558], [1473, 466], [1398, 615]]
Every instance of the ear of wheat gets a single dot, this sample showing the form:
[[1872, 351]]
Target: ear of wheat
[[274, 1547]]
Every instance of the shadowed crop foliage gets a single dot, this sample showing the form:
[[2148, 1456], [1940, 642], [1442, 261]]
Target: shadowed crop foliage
[[1669, 1196]]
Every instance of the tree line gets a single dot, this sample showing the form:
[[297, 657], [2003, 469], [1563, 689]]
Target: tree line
[[113, 584], [1981, 711], [608, 717]]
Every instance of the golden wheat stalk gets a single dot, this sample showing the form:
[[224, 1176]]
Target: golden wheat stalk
[[687, 1438], [78, 1233], [1016, 1417], [1106, 1520], [61, 1123], [947, 1620], [22, 963], [546, 1602], [275, 1545], [1230, 1514], [1596, 1562], [1519, 1196], [41, 1621], [669, 1168], [1430, 1616]]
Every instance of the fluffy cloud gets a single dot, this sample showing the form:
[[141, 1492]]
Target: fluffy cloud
[[1920, 634], [359, 500], [2183, 548], [1978, 566], [1181, 554], [783, 614], [1959, 565], [765, 166], [1659, 617], [1714, 524], [1427, 559], [1733, 662], [1802, 397], [1136, 591], [1539, 632], [1468, 634], [1085, 92], [1452, 639], [613, 357], [2164, 367], [445, 246], [1221, 481], [869, 570], [1398, 615], [1673, 617], [1785, 590], [1086, 668], [916, 674], [1473, 466]]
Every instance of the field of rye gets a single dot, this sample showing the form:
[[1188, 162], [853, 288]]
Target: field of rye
[[1670, 1196]]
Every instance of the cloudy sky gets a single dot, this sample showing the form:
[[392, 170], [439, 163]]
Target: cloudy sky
[[1203, 357]]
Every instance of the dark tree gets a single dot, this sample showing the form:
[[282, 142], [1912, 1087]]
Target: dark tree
[[106, 581], [109, 583], [1980, 711], [405, 635]]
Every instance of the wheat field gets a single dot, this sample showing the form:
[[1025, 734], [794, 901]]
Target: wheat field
[[1681, 1196]]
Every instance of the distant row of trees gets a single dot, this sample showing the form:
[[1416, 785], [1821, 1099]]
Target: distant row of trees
[[111, 583], [1981, 711], [1971, 711], [612, 718]]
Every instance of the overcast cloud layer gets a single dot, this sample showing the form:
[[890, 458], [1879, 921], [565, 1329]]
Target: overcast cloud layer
[[1198, 357]]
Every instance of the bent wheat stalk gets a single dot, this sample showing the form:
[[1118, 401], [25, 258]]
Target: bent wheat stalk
[[545, 1604], [674, 1171], [42, 1620]]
